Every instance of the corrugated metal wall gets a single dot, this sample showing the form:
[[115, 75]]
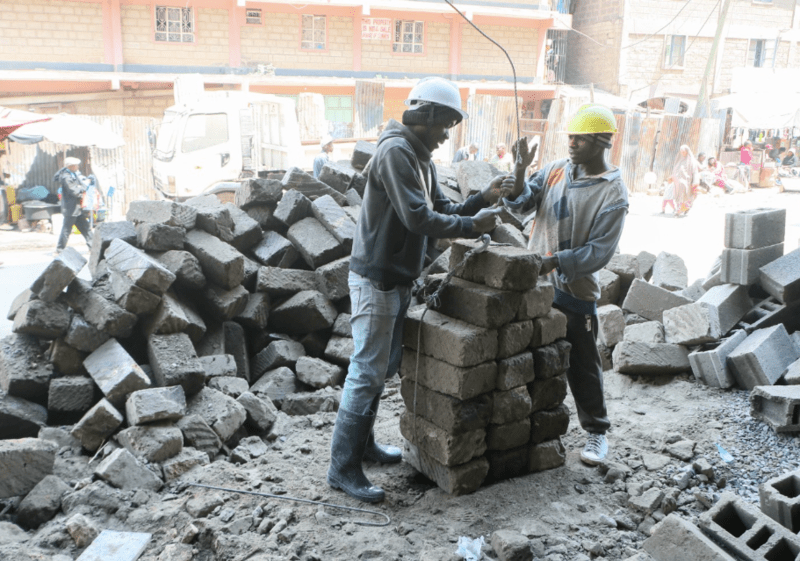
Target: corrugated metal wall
[[311, 116], [491, 121], [368, 110]]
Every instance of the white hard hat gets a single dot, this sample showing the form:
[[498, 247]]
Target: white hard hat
[[71, 161], [435, 90], [327, 139]]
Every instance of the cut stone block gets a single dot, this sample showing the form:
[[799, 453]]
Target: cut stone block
[[97, 425], [777, 406], [169, 317], [505, 464], [276, 385], [761, 359], [245, 233], [309, 403], [509, 435], [294, 206], [102, 236], [501, 267], [462, 383], [515, 371], [315, 243], [508, 234], [223, 304], [546, 455], [755, 228], [692, 324], [256, 313], [174, 362], [549, 393], [299, 180], [142, 270], [450, 340], [24, 462], [185, 461], [332, 279], [514, 338], [236, 345], [24, 370], [650, 301], [552, 360], [669, 272], [335, 220], [511, 405], [115, 372], [162, 212], [742, 266], [197, 434], [66, 360], [22, 298], [781, 278], [626, 267], [104, 315], [222, 413], [450, 450], [42, 503], [609, 287], [474, 175], [678, 539], [186, 268], [694, 291], [477, 304], [156, 404], [20, 418], [342, 177], [218, 365], [275, 251], [646, 261], [305, 312], [278, 281], [339, 350], [259, 191], [549, 424], [453, 415], [536, 302], [58, 274], [222, 263], [84, 336], [318, 374], [46, 320], [212, 215], [229, 385], [261, 412], [152, 443], [130, 297], [70, 395], [731, 301], [611, 323], [159, 237], [362, 153], [780, 500], [458, 480], [124, 471], [711, 365], [277, 354], [632, 357]]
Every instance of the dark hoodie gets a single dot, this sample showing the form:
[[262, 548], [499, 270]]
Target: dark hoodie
[[395, 220], [71, 190]]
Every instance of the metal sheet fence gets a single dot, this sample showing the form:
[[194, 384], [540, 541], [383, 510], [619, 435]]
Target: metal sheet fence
[[368, 112]]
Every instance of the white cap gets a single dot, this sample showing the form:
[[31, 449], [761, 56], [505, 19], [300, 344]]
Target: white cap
[[71, 161], [327, 139]]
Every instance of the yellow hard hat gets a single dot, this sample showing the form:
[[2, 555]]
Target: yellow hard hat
[[592, 118]]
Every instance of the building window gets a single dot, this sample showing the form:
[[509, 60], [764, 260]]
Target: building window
[[408, 36], [253, 16], [313, 33], [339, 108], [675, 51], [760, 53], [174, 25]]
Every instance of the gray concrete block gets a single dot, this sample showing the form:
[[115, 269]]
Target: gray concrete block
[[777, 406], [318, 374], [102, 236], [335, 220], [275, 251], [299, 180], [186, 268], [142, 270], [294, 206], [332, 279], [549, 424], [309, 403], [476, 303], [246, 231], [508, 234], [123, 470], [548, 328], [174, 362], [650, 301], [551, 360], [501, 267], [58, 274], [115, 372], [70, 395], [339, 176], [42, 503], [198, 434], [314, 242], [223, 304], [761, 359], [547, 393], [305, 312], [155, 404], [710, 365], [647, 332], [676, 539], [276, 385], [162, 212], [103, 314], [222, 413], [362, 153], [45, 320], [261, 412], [455, 416], [742, 266], [185, 461], [650, 358], [669, 272], [755, 228], [222, 263], [130, 297], [212, 216], [779, 498], [20, 418], [781, 278], [97, 425], [159, 237], [278, 281], [792, 373], [457, 480], [609, 287], [259, 192], [611, 324], [24, 462], [152, 443], [692, 324], [450, 340], [536, 302], [731, 301], [448, 449]]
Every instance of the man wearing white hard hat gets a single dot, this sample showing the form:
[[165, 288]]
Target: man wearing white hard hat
[[403, 207], [581, 204], [326, 145], [72, 189]]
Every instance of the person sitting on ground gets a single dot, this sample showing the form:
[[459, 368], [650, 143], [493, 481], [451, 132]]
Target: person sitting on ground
[[686, 178], [701, 159], [466, 153], [719, 177], [581, 204], [72, 191], [326, 147], [772, 153], [502, 160], [789, 160]]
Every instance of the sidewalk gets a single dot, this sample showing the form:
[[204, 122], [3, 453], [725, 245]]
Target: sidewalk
[[14, 240]]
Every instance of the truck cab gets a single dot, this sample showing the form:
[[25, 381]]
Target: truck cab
[[223, 137]]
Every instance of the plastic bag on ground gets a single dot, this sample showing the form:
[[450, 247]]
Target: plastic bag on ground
[[470, 549]]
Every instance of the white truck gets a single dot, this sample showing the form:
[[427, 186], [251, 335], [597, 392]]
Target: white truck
[[208, 143]]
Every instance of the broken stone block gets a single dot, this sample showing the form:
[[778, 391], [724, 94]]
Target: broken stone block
[[650, 301], [457, 480], [58, 274], [183, 462], [82, 531], [755, 228], [342, 326], [694, 291], [248, 449], [186, 268], [222, 264], [229, 385], [22, 298], [278, 281], [169, 317], [72, 395], [335, 220], [676, 538], [159, 237], [223, 304], [511, 546], [551, 360], [508, 234], [710, 365], [548, 393], [218, 365], [780, 500], [131, 297], [115, 372], [692, 324], [155, 404], [212, 215], [742, 266], [174, 362], [536, 302], [647, 332], [731, 301], [277, 354], [453, 415], [222, 413], [102, 236], [24, 370], [501, 267], [162, 212], [549, 424], [609, 287], [261, 412], [791, 375], [631, 357], [781, 278], [339, 350], [546, 455], [236, 345], [259, 191], [276, 385], [305, 403], [339, 176], [626, 267], [294, 206], [122, 470], [142, 270], [246, 232], [362, 153], [669, 272], [152, 443], [197, 434], [315, 243], [474, 175], [515, 371], [255, 313], [645, 260], [777, 406], [97, 425], [275, 251], [761, 359], [299, 180], [450, 340], [611, 324], [42, 503], [305, 312], [20, 418], [319, 374], [46, 320], [106, 316], [66, 360], [509, 435], [448, 449], [332, 279], [24, 462], [477, 304]]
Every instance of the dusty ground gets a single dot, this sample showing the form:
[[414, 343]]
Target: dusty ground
[[567, 513]]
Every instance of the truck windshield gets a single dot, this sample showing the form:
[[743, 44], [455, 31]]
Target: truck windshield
[[204, 131]]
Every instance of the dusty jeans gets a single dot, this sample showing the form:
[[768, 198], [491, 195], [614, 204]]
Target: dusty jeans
[[376, 319]]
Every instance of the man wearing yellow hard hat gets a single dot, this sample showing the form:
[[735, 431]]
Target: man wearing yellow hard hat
[[581, 204]]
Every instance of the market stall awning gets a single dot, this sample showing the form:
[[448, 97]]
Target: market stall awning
[[69, 130], [774, 110], [13, 119]]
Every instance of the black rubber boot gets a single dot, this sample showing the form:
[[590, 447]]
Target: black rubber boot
[[347, 451], [380, 453]]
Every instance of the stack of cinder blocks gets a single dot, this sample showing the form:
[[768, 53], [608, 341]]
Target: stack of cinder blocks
[[484, 376]]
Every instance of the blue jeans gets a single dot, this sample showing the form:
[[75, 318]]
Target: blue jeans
[[376, 319]]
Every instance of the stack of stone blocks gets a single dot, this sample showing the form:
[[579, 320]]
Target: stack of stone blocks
[[484, 375]]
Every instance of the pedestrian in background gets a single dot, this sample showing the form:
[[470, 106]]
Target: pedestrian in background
[[466, 153], [685, 179], [73, 188], [502, 159], [326, 147]]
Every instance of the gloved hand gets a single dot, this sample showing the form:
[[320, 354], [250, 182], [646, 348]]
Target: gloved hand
[[485, 220], [493, 191]]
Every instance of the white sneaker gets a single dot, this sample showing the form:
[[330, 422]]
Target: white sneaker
[[595, 450]]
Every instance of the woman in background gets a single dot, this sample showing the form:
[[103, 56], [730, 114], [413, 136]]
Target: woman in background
[[685, 180]]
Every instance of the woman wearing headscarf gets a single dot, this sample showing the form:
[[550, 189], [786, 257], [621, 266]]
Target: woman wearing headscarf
[[685, 179]]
